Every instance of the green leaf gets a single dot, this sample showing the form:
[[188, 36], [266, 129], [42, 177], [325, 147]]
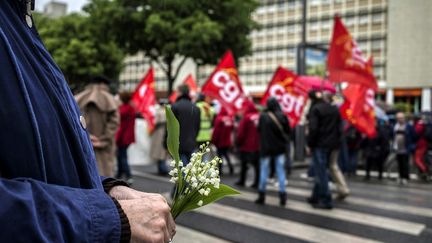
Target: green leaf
[[173, 129], [215, 194]]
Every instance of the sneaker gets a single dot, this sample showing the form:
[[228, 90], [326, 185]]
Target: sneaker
[[404, 181], [130, 181]]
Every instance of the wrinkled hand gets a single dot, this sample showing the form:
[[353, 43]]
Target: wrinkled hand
[[126, 193], [148, 213]]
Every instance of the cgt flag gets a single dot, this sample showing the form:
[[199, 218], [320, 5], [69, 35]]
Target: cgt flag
[[345, 62], [291, 94], [144, 98], [193, 89], [224, 85], [359, 108]]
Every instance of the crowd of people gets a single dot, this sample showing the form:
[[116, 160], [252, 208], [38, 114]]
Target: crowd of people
[[260, 137]]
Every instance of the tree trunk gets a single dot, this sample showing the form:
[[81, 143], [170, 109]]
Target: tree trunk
[[170, 78]]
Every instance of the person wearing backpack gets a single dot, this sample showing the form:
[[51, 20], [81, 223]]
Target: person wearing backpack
[[274, 130]]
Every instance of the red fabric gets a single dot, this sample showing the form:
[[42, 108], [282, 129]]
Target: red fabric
[[358, 108], [144, 98], [193, 89], [345, 62], [222, 131], [247, 133], [290, 93], [126, 133], [421, 147], [224, 85]]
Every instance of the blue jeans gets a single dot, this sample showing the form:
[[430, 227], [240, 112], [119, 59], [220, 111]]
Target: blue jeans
[[185, 158], [122, 162], [321, 192], [162, 166], [352, 161], [280, 170]]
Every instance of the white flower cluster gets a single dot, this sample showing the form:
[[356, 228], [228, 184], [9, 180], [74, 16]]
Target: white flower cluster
[[198, 175]]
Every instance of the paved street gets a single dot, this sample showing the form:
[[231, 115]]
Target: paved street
[[375, 212]]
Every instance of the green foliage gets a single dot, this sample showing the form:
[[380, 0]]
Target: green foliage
[[404, 107], [76, 48], [186, 198], [165, 29]]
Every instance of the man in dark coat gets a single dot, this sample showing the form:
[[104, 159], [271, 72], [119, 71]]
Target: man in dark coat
[[325, 131], [49, 184], [274, 133], [188, 116]]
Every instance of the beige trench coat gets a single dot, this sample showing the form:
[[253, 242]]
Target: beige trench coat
[[100, 111], [157, 150]]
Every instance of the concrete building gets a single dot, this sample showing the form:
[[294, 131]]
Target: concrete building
[[55, 9], [384, 29]]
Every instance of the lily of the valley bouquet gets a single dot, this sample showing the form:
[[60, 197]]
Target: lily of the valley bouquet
[[197, 182]]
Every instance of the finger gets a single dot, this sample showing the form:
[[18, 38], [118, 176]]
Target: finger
[[167, 235], [171, 226]]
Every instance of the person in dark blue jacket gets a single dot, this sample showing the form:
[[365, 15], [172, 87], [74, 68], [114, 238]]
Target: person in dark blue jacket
[[49, 185]]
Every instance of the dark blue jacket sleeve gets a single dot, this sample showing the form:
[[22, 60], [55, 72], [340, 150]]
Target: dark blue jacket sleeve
[[33, 211]]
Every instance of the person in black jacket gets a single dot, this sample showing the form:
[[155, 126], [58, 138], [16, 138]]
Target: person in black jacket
[[274, 129], [188, 115], [325, 131], [376, 150]]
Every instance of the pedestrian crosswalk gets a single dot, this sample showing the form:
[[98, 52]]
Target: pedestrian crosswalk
[[363, 217]]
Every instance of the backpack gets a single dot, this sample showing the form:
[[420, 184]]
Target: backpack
[[428, 133]]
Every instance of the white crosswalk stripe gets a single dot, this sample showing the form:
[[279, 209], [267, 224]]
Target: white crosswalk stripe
[[186, 235], [279, 226], [347, 215], [312, 233]]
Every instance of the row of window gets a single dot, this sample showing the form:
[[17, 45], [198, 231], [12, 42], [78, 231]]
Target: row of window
[[294, 27], [271, 6]]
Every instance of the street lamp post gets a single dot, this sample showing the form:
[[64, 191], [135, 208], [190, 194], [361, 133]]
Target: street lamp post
[[299, 152]]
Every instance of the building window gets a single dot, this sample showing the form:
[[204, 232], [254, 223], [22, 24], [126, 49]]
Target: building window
[[376, 45], [350, 21], [377, 18], [292, 5], [363, 20], [325, 25], [314, 26], [314, 2]]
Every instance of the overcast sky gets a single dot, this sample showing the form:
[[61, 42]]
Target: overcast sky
[[73, 5]]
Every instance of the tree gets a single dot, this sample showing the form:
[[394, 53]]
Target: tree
[[172, 30], [77, 50]]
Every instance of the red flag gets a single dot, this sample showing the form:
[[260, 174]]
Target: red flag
[[290, 93], [345, 62], [144, 98], [359, 108], [224, 85], [193, 88]]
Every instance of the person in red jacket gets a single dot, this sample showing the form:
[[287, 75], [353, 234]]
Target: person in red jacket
[[221, 137], [248, 143], [125, 136], [421, 149]]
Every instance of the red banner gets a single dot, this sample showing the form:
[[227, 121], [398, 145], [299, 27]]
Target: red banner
[[290, 93], [224, 85], [359, 108], [144, 98], [193, 89], [345, 62]]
